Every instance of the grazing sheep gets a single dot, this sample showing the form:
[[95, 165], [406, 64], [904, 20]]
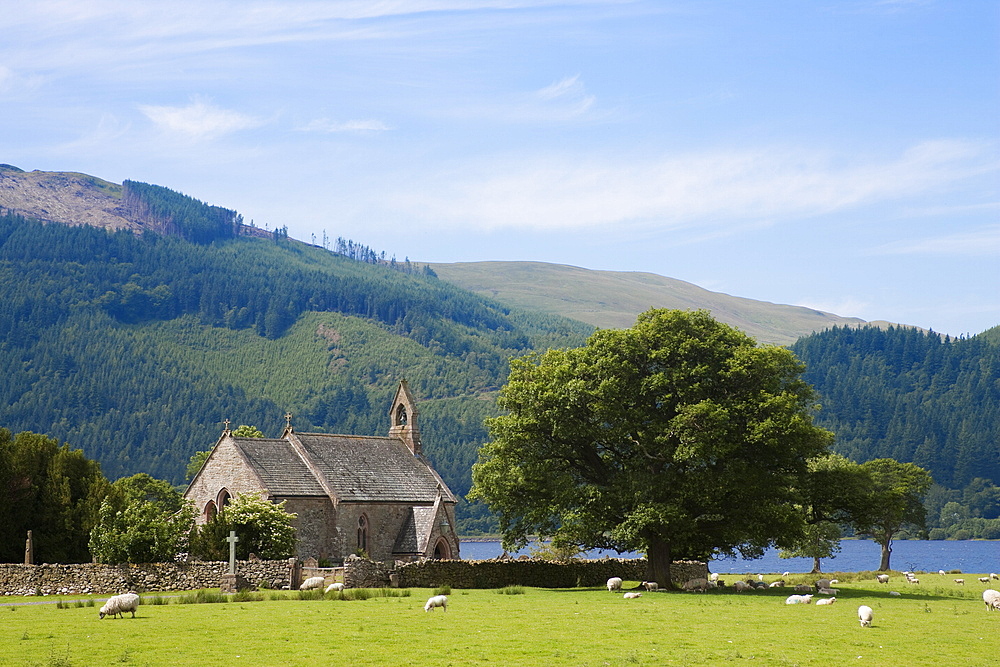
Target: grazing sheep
[[714, 576], [822, 583], [984, 580], [760, 577], [614, 584], [894, 594], [941, 572], [650, 586], [311, 583], [119, 604], [631, 595], [826, 601], [992, 599], [913, 580], [865, 615], [699, 584], [993, 575], [437, 601], [799, 599], [776, 584], [334, 587], [803, 588], [741, 586], [834, 582], [785, 574], [882, 578], [829, 591], [960, 582]]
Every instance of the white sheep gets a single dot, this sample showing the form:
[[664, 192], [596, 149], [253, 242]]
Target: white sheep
[[914, 580], [698, 584], [631, 595], [992, 599], [334, 587], [882, 578], [798, 599], [826, 601], [614, 584], [119, 604], [311, 583], [960, 582], [984, 580], [741, 586], [714, 576], [437, 601], [941, 572], [785, 574], [650, 586], [834, 582], [895, 594], [865, 615], [993, 575], [776, 584]]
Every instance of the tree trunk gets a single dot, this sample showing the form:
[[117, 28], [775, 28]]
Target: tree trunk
[[886, 552], [816, 566], [658, 561]]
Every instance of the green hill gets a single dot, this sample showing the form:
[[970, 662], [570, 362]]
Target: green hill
[[136, 347], [613, 299]]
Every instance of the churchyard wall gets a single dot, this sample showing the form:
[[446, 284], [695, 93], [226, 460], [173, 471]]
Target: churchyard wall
[[533, 572], [84, 578]]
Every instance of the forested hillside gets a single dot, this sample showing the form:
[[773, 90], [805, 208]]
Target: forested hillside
[[918, 397], [136, 347]]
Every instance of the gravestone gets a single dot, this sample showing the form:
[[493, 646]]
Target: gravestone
[[29, 550]]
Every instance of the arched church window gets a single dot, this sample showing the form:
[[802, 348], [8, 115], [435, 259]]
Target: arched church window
[[223, 500], [401, 415], [363, 533], [211, 510]]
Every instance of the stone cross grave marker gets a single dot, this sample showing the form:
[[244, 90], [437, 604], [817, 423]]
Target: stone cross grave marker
[[232, 539]]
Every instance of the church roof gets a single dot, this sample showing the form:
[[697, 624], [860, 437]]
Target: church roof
[[354, 468], [371, 468], [280, 468], [412, 537]]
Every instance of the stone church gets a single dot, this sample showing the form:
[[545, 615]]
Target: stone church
[[352, 493]]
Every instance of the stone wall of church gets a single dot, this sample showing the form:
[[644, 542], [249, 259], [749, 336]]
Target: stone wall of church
[[224, 470], [315, 528], [384, 522]]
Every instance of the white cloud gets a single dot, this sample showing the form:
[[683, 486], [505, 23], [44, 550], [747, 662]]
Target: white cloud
[[703, 190], [326, 125], [984, 241], [199, 119]]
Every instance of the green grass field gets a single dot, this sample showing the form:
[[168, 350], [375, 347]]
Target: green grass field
[[934, 623]]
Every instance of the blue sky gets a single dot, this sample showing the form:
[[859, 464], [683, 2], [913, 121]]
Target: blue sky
[[843, 155]]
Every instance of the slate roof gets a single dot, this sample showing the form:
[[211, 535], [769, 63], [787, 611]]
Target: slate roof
[[412, 537], [357, 468], [280, 468], [372, 468]]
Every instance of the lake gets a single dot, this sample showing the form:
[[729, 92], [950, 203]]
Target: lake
[[973, 556]]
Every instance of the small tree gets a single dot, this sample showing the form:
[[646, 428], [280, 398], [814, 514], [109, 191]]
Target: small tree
[[895, 501], [836, 491], [142, 520], [264, 528]]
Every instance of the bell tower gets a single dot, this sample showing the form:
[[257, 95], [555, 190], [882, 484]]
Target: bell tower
[[403, 418]]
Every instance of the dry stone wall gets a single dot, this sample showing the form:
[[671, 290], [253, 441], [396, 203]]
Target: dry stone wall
[[112, 579], [359, 573]]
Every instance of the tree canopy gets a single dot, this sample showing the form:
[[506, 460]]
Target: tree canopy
[[678, 437], [264, 529], [896, 500]]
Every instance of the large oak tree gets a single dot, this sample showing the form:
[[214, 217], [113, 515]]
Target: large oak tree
[[678, 437]]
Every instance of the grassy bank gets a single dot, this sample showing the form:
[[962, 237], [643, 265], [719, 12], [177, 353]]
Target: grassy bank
[[933, 623]]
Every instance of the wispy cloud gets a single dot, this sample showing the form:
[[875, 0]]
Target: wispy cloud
[[325, 125], [704, 191], [199, 119], [984, 241]]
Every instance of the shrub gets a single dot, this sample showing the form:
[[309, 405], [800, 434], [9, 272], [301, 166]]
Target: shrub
[[510, 590]]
